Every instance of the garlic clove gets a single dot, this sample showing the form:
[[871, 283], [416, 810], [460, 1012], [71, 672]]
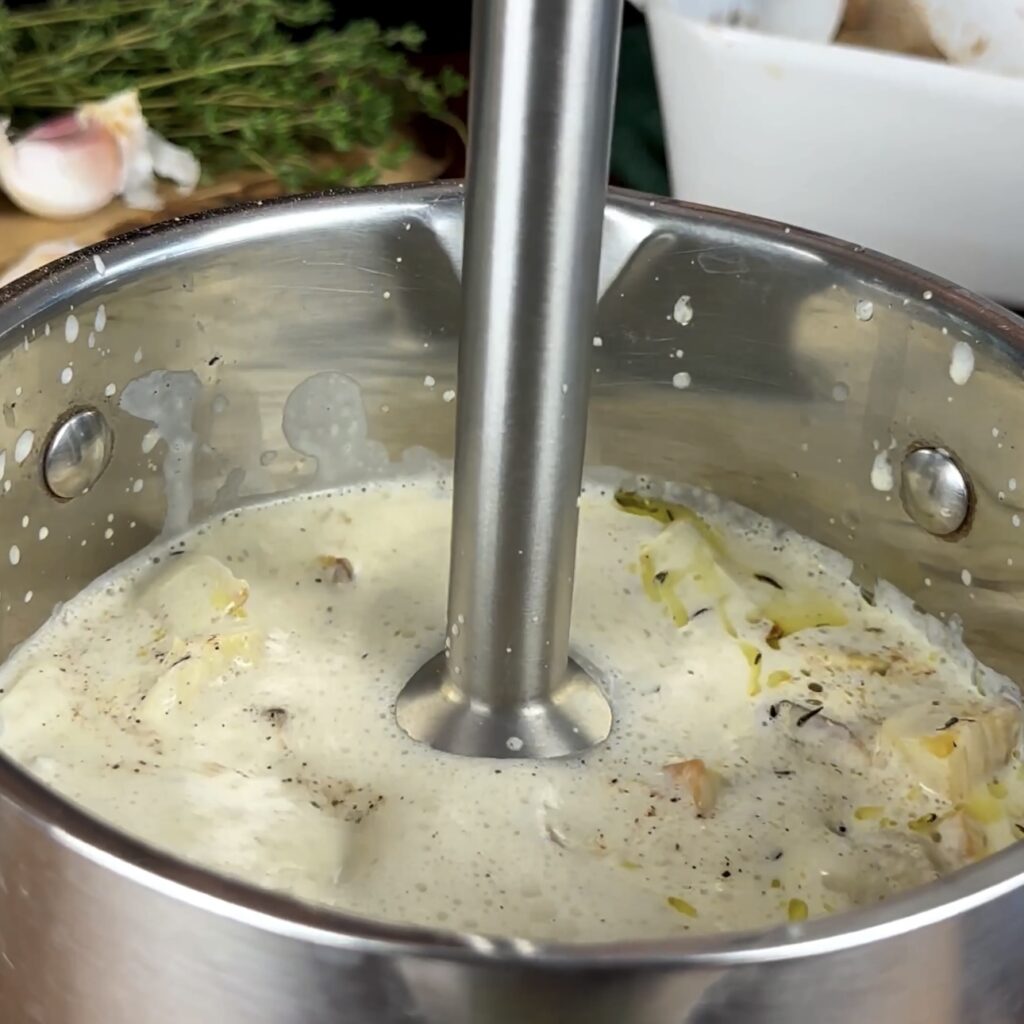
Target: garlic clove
[[61, 169], [75, 164]]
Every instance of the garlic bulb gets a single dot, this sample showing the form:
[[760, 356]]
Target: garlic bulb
[[76, 163], [985, 34]]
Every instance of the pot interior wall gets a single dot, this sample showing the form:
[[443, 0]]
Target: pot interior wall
[[805, 357]]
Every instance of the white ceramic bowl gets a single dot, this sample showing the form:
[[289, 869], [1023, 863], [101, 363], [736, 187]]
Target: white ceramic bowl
[[917, 158]]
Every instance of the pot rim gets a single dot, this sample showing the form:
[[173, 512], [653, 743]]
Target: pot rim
[[78, 831]]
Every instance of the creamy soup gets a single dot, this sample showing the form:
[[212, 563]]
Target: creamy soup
[[784, 746]]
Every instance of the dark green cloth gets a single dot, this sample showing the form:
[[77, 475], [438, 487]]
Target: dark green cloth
[[638, 146]]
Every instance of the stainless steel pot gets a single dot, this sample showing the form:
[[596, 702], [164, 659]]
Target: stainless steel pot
[[807, 356]]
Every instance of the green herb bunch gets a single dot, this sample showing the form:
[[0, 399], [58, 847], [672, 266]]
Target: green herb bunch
[[242, 83]]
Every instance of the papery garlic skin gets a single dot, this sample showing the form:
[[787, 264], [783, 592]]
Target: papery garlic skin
[[75, 164], [145, 152]]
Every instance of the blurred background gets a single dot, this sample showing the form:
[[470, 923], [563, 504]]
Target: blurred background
[[890, 123]]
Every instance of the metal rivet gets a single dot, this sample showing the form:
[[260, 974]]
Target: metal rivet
[[77, 453], [935, 491]]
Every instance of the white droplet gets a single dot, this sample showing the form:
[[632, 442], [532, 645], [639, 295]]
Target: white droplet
[[91, 341], [28, 596], [138, 485], [565, 389], [961, 364], [137, 358], [965, 576], [927, 581], [23, 446], [150, 440], [840, 392], [681, 380], [514, 743], [97, 262], [1012, 483], [1015, 519], [598, 342], [43, 532], [3, 462], [449, 395], [14, 554], [110, 390], [881, 472], [108, 533], [995, 431], [927, 295], [66, 375], [428, 381], [387, 295], [101, 318], [25, 521], [71, 328], [864, 310], [46, 330], [682, 311]]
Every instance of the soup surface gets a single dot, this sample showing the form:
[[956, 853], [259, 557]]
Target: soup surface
[[783, 747]]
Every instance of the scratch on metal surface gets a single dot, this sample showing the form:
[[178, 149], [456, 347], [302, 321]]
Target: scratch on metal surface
[[321, 288], [348, 265]]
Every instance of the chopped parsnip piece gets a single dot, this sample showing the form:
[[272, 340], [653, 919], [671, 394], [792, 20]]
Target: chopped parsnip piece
[[193, 664], [962, 838], [194, 594], [900, 860], [950, 751], [42, 688]]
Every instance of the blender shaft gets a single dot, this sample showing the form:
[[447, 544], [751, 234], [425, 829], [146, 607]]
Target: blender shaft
[[542, 97]]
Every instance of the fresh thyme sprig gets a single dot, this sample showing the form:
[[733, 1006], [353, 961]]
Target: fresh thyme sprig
[[243, 83]]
